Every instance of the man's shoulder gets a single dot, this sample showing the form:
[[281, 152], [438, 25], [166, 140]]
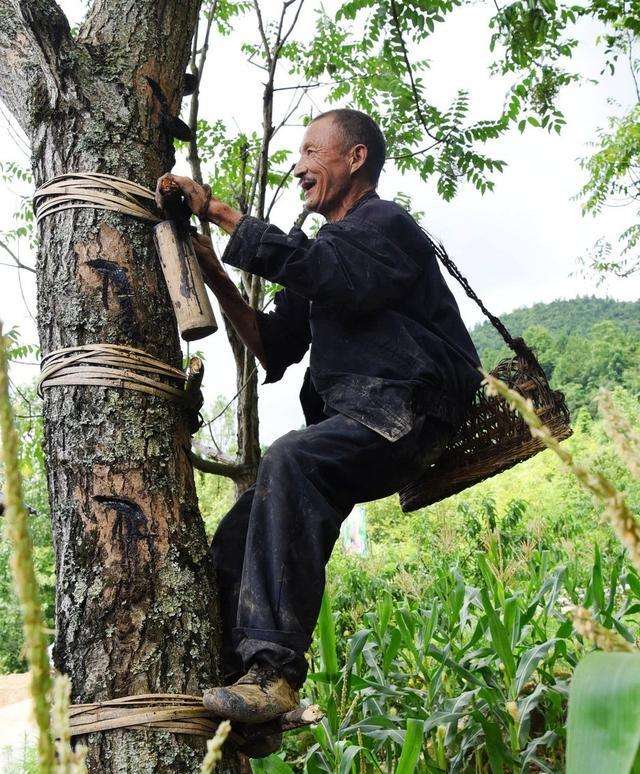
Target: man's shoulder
[[383, 214]]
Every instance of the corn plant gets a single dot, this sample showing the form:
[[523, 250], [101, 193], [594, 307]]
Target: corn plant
[[431, 668], [23, 571], [604, 707]]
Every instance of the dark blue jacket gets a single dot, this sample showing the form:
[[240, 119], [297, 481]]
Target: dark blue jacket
[[387, 340]]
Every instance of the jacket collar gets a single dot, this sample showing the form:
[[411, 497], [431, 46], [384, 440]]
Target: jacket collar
[[364, 198]]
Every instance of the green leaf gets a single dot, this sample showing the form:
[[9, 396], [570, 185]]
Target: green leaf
[[356, 644], [597, 585], [391, 650], [494, 746], [529, 663], [327, 632], [272, 765], [603, 730], [347, 758], [499, 636], [411, 747], [384, 609]]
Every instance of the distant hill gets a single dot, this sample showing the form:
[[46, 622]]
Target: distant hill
[[582, 344], [561, 318]]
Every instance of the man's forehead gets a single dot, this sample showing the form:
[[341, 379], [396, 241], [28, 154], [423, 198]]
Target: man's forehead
[[322, 131]]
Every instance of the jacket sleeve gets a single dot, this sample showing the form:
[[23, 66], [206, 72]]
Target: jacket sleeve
[[285, 333], [348, 266]]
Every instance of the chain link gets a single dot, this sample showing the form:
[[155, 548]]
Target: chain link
[[457, 274]]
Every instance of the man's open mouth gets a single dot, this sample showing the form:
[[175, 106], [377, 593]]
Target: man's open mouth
[[307, 184]]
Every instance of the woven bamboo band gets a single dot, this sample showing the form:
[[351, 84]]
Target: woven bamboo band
[[111, 365], [82, 190], [178, 713]]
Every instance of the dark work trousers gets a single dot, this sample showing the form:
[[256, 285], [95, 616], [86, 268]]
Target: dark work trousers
[[271, 549]]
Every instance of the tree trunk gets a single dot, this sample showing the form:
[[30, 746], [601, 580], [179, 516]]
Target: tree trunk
[[136, 604]]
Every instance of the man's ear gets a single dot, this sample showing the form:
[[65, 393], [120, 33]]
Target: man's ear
[[358, 157]]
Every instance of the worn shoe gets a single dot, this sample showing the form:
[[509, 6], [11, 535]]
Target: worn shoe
[[260, 695]]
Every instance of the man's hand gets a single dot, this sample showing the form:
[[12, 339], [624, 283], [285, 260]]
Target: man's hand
[[196, 196], [200, 202]]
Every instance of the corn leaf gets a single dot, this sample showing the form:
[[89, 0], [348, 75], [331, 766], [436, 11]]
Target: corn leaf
[[411, 747], [272, 765], [327, 632], [603, 730]]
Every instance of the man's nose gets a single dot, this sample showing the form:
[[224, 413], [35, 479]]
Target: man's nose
[[299, 169]]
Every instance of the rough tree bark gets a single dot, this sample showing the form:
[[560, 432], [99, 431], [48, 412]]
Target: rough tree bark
[[136, 605]]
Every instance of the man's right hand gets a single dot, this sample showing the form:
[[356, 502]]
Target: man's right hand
[[201, 203], [196, 196]]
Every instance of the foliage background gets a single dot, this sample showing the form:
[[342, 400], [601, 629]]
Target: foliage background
[[448, 647], [412, 625]]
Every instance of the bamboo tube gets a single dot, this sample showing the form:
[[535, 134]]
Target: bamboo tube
[[184, 281]]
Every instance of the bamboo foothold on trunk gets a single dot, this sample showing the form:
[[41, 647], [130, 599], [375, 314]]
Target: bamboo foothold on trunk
[[184, 281]]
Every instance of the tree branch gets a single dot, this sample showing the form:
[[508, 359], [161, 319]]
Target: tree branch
[[219, 465], [35, 42], [414, 87], [281, 184], [198, 61], [15, 258], [286, 35], [263, 35]]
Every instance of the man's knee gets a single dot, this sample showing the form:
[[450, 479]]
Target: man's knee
[[285, 450]]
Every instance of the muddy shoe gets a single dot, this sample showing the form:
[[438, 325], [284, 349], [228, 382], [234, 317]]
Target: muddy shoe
[[261, 695]]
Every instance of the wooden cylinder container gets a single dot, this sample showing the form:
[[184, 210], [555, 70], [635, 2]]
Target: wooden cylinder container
[[184, 280]]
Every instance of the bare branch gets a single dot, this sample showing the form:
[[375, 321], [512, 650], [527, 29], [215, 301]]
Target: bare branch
[[198, 61], [15, 258], [263, 35], [281, 185], [232, 470], [35, 41], [299, 221], [285, 37], [414, 87], [412, 154], [293, 106]]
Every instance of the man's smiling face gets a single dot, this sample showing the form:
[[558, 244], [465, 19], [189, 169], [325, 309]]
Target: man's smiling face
[[325, 166]]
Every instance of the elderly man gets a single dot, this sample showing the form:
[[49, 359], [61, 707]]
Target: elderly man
[[392, 373]]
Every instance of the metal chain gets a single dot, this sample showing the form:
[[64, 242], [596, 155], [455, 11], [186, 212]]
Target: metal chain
[[457, 274]]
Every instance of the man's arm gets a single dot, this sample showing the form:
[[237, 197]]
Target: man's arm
[[278, 338], [239, 313], [235, 308], [351, 267]]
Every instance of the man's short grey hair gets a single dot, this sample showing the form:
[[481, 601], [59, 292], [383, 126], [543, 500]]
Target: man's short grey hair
[[360, 129]]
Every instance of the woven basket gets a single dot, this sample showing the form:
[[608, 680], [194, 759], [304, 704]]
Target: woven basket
[[492, 437]]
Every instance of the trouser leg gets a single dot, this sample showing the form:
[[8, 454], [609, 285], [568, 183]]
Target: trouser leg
[[227, 552], [307, 483]]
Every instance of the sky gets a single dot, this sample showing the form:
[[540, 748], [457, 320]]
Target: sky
[[517, 245]]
